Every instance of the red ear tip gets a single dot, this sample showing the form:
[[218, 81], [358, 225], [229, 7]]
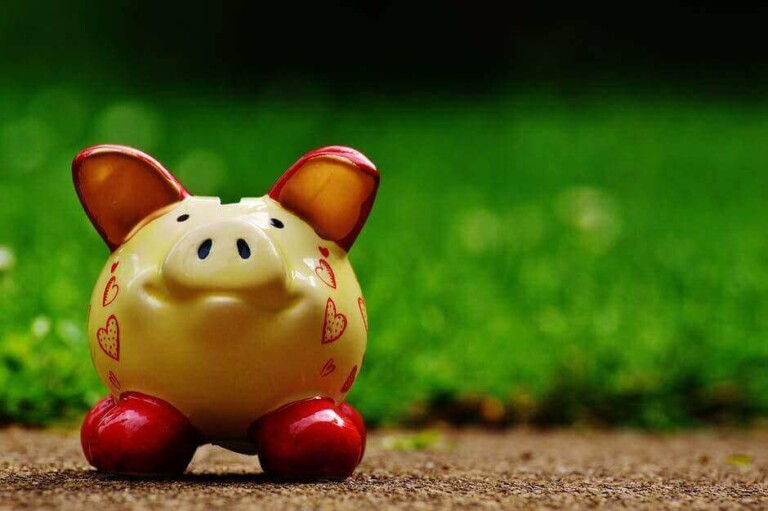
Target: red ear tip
[[354, 156], [88, 151], [348, 153], [82, 155], [79, 158]]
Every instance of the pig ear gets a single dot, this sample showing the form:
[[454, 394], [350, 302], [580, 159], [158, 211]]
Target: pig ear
[[120, 187], [332, 189]]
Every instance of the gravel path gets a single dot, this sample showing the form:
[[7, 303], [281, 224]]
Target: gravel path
[[515, 469]]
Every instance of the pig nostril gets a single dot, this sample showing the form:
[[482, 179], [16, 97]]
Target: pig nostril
[[243, 249], [205, 248]]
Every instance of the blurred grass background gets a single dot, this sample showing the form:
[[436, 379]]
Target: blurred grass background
[[535, 255], [529, 258]]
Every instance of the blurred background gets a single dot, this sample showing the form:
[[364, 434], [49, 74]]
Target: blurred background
[[571, 228]]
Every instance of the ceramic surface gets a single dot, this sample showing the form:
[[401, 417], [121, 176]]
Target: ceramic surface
[[227, 311]]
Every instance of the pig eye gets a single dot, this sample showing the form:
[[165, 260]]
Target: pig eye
[[276, 223], [183, 218]]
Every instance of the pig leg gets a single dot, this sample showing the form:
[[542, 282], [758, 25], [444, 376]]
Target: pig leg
[[138, 435], [353, 415], [310, 439]]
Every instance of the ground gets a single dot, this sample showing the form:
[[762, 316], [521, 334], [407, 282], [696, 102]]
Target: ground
[[449, 469]]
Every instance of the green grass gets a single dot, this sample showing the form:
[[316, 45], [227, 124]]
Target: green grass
[[594, 261]]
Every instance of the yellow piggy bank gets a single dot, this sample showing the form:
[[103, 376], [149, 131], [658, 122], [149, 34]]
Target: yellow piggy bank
[[236, 324]]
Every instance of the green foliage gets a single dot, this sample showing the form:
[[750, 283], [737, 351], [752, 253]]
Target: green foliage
[[604, 260], [419, 441]]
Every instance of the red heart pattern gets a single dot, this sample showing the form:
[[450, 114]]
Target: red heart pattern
[[110, 292], [363, 312], [324, 251], [325, 273], [334, 324], [114, 381], [350, 380], [328, 368], [114, 266], [109, 338]]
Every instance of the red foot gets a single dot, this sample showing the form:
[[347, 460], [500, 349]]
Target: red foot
[[310, 439], [352, 414], [138, 435]]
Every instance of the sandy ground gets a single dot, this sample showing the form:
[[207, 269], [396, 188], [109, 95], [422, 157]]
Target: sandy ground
[[473, 469]]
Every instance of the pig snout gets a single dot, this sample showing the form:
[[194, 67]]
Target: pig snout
[[226, 255]]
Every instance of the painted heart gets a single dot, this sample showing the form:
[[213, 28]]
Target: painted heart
[[363, 312], [350, 380], [334, 324], [324, 251], [114, 266], [109, 338], [114, 381], [328, 368], [110, 292], [325, 273]]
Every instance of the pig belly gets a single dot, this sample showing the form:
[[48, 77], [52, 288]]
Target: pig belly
[[223, 390], [225, 363]]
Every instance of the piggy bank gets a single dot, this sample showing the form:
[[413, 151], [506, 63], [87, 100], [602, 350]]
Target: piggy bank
[[241, 324]]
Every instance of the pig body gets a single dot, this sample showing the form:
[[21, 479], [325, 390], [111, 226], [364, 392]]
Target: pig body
[[226, 356], [223, 316]]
